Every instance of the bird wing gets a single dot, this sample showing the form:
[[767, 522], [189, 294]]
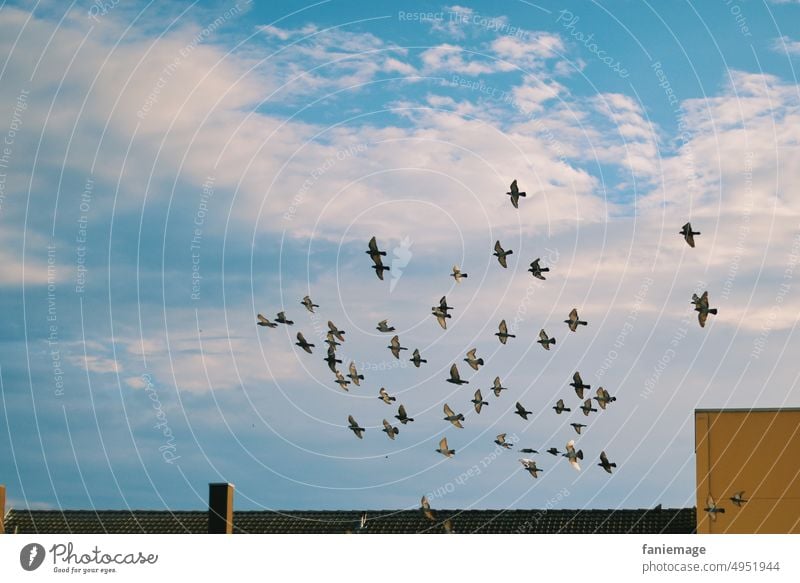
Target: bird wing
[[352, 421], [603, 458], [383, 323], [503, 327], [332, 327], [573, 315], [704, 299], [702, 317], [401, 412], [574, 463], [281, 316], [502, 260], [478, 396], [498, 248], [441, 319], [443, 445], [576, 378], [443, 304], [571, 446], [521, 409], [454, 373], [543, 335], [501, 438], [448, 411], [352, 369], [471, 354], [514, 187], [300, 338], [416, 354], [373, 245], [262, 319]]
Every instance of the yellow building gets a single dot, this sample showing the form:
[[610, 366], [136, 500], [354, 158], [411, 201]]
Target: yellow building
[[754, 451]]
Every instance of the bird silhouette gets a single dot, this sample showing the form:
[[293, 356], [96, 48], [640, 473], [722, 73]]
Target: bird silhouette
[[402, 416], [501, 441], [355, 427], [472, 360], [341, 381], [503, 334], [376, 254], [335, 331], [514, 193], [443, 449], [738, 498], [578, 427], [389, 430], [577, 383], [331, 341], [713, 509], [281, 319], [603, 398], [262, 321], [530, 465], [383, 326], [688, 234], [457, 274], [501, 254], [301, 342], [701, 306], [521, 411], [416, 358], [455, 378], [354, 376], [395, 347], [478, 401], [587, 407], [331, 359], [379, 268], [545, 340], [553, 451], [573, 322], [497, 387], [559, 408], [309, 304], [384, 396], [443, 307], [537, 270], [528, 450], [450, 416], [605, 464], [573, 456]]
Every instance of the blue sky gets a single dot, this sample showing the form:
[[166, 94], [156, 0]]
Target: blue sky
[[261, 145]]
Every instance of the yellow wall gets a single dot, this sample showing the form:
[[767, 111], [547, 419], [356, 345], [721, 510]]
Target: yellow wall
[[757, 451]]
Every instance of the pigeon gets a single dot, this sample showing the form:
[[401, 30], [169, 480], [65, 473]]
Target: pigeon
[[573, 456], [521, 411], [530, 465], [354, 376], [384, 396], [355, 428], [605, 464], [452, 417], [537, 271], [478, 401], [457, 275], [441, 317], [503, 334], [331, 340], [701, 306], [688, 234], [309, 304], [389, 430], [379, 268], [573, 321], [416, 358], [577, 427], [603, 398], [402, 416], [528, 450], [501, 441], [559, 408], [444, 450], [514, 193], [341, 381], [301, 342], [395, 347], [472, 360], [425, 508], [281, 319], [712, 508], [383, 326], [373, 250], [553, 451], [335, 331], [447, 526], [455, 378], [443, 305], [577, 383], [262, 321], [738, 498], [587, 407], [501, 254], [332, 360], [498, 387], [545, 340]]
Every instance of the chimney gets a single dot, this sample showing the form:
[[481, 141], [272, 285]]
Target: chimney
[[2, 508], [220, 508]]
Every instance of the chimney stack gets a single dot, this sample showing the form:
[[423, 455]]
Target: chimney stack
[[220, 508]]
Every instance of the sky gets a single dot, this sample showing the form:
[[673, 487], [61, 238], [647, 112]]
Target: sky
[[169, 170]]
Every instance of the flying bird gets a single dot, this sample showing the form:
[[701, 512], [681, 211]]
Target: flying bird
[[559, 408], [521, 411], [738, 498], [577, 427], [603, 398], [553, 451], [457, 274], [712, 508], [530, 465], [455, 378], [425, 508], [498, 387], [701, 306], [503, 334], [478, 401], [309, 304], [354, 376], [501, 441], [341, 381], [379, 268], [441, 317], [688, 234], [301, 342], [384, 396], [472, 360], [331, 359], [335, 331], [389, 430], [281, 319], [355, 427], [402, 416], [395, 347], [383, 326], [514, 193], [573, 321], [577, 383], [528, 450], [605, 464], [416, 358], [573, 456], [537, 270], [262, 321], [452, 417], [587, 407], [331, 340], [443, 305], [501, 254], [376, 254], [443, 449], [545, 340]]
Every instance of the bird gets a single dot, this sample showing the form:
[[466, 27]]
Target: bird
[[553, 451], [452, 417], [425, 508], [379, 268], [501, 441], [447, 526], [530, 465], [443, 449], [416, 358], [331, 340], [302, 343], [478, 401], [402, 416], [536, 270], [383, 326], [262, 321], [395, 347], [443, 307], [341, 381], [688, 234], [573, 321], [701, 306], [587, 407], [738, 498], [498, 387], [573, 456], [354, 376], [501, 254], [373, 250], [712, 508], [503, 334], [281, 319], [332, 360], [355, 428], [441, 317], [514, 193], [528, 450], [335, 331], [457, 274], [309, 304], [603, 398], [455, 378], [545, 340], [472, 360], [389, 430], [577, 427], [521, 411], [559, 408], [605, 464], [577, 383], [384, 396]]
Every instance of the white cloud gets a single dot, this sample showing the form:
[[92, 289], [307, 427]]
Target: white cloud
[[784, 44]]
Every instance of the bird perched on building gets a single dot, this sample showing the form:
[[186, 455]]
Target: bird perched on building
[[497, 387], [712, 508], [450, 416], [553, 451], [416, 358], [331, 359], [457, 274], [447, 526], [545, 340], [395, 347], [587, 407], [559, 408], [530, 465], [301, 342], [514, 193], [528, 450], [603, 398], [478, 401], [402, 416], [537, 270], [335, 331], [309, 304], [577, 383], [521, 411], [354, 376], [501, 441], [701, 306], [389, 430], [455, 378], [605, 464], [281, 319], [262, 321], [425, 508], [688, 234], [578, 427], [443, 449], [341, 381], [738, 498], [573, 456], [384, 396], [383, 326], [331, 340], [501, 254], [503, 334], [473, 360], [355, 427], [573, 322]]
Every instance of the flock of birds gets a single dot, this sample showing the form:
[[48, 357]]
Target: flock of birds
[[441, 313]]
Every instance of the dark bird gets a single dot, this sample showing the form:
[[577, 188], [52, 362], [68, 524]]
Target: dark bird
[[373, 250], [738, 498], [354, 376], [701, 306], [497, 388], [605, 464], [341, 381], [455, 378], [501, 441], [444, 450], [545, 340], [395, 347], [573, 321], [389, 430], [441, 317], [688, 234], [331, 340], [309, 304], [478, 401], [331, 359], [559, 408], [301, 342], [402, 416], [281, 319], [443, 305], [521, 411], [355, 428], [416, 358], [384, 396], [528, 450], [501, 254], [425, 508], [573, 456], [335, 331], [452, 417], [553, 451], [587, 407], [503, 334], [536, 270], [379, 268], [712, 508], [577, 383], [457, 275], [514, 193], [472, 360], [577, 427], [603, 398], [262, 321], [530, 465], [383, 326]]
